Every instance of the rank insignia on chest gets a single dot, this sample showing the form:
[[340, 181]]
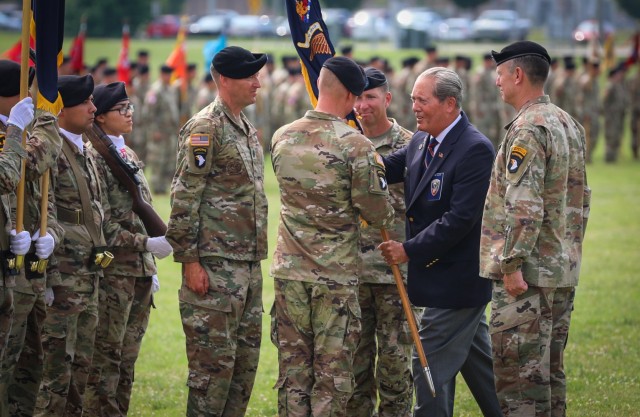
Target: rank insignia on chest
[[199, 140], [517, 157], [200, 157], [435, 189]]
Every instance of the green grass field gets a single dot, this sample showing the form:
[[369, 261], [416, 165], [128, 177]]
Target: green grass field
[[603, 354]]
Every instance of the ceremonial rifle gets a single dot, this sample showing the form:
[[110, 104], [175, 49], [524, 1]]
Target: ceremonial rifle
[[125, 173]]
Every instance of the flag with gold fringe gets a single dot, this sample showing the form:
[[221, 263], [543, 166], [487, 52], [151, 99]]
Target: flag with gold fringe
[[47, 28]]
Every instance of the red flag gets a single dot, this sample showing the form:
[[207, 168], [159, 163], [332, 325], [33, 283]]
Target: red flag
[[635, 51], [76, 53], [178, 58], [123, 62], [14, 53]]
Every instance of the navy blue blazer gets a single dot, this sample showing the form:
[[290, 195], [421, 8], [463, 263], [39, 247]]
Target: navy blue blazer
[[444, 216]]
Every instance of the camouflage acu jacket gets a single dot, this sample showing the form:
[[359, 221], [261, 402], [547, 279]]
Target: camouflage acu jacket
[[373, 268], [218, 204], [538, 200], [125, 233], [328, 174]]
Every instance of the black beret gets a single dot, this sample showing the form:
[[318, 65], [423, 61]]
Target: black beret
[[143, 69], [431, 48], [518, 49], [487, 56], [346, 50], [75, 89], [410, 62], [294, 70], [108, 71], [101, 61], [191, 67], [375, 78], [350, 74], [143, 52], [570, 65], [165, 69], [105, 96], [236, 62], [10, 76]]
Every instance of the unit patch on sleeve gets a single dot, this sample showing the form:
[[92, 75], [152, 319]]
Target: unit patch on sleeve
[[199, 156], [516, 159]]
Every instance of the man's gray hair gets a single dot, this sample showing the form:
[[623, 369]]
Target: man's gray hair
[[447, 84]]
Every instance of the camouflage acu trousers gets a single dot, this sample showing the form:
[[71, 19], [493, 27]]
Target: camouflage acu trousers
[[6, 316], [223, 331], [124, 307], [22, 366], [385, 335], [68, 339], [161, 154], [529, 334], [316, 328]]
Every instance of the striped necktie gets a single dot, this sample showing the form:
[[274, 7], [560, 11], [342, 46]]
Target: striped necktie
[[430, 150]]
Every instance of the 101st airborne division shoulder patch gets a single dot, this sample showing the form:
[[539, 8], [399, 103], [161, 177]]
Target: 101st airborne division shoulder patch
[[516, 159]]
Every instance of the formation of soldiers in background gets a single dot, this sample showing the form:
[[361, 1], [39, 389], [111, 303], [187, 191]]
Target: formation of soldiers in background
[[162, 106]]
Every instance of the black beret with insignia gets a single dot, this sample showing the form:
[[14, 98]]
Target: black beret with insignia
[[105, 96], [375, 78], [10, 76], [350, 74], [75, 89], [236, 62], [518, 49]]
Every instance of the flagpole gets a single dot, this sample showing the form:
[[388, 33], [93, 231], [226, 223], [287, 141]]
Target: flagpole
[[411, 321], [24, 92]]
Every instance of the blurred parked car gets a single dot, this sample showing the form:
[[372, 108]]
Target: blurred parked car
[[421, 19], [455, 29], [212, 24], [589, 29], [165, 26], [500, 25], [337, 19], [249, 26], [11, 20], [370, 24]]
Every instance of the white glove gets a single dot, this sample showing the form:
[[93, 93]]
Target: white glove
[[20, 243], [22, 113], [159, 247], [44, 244], [48, 296], [155, 284]]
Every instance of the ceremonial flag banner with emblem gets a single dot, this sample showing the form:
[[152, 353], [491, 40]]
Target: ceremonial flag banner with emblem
[[47, 29], [310, 37], [178, 57], [123, 61], [76, 52]]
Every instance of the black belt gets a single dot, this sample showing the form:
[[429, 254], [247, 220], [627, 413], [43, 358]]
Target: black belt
[[70, 216]]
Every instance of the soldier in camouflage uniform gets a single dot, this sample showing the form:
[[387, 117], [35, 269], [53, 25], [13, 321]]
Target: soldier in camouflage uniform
[[125, 294], [161, 117], [137, 139], [296, 102], [400, 107], [615, 103], [565, 88], [72, 280], [328, 175], [533, 255], [634, 92], [385, 332], [486, 102], [588, 103], [21, 368], [218, 230]]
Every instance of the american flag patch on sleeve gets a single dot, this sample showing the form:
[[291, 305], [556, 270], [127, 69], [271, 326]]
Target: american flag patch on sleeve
[[199, 140]]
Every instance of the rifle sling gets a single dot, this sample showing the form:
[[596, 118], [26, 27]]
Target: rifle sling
[[83, 190]]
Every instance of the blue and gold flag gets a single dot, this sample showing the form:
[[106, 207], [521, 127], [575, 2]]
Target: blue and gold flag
[[311, 40], [47, 29]]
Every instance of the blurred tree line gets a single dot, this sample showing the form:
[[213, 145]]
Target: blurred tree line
[[106, 17]]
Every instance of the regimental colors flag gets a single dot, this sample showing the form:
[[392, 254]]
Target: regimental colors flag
[[47, 29], [311, 40], [124, 66]]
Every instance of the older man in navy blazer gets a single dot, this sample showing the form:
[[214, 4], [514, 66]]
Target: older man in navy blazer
[[445, 169]]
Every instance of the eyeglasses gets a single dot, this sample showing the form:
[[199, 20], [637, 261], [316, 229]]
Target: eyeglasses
[[124, 109]]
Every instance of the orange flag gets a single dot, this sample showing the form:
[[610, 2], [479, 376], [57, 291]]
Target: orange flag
[[178, 57], [123, 62]]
